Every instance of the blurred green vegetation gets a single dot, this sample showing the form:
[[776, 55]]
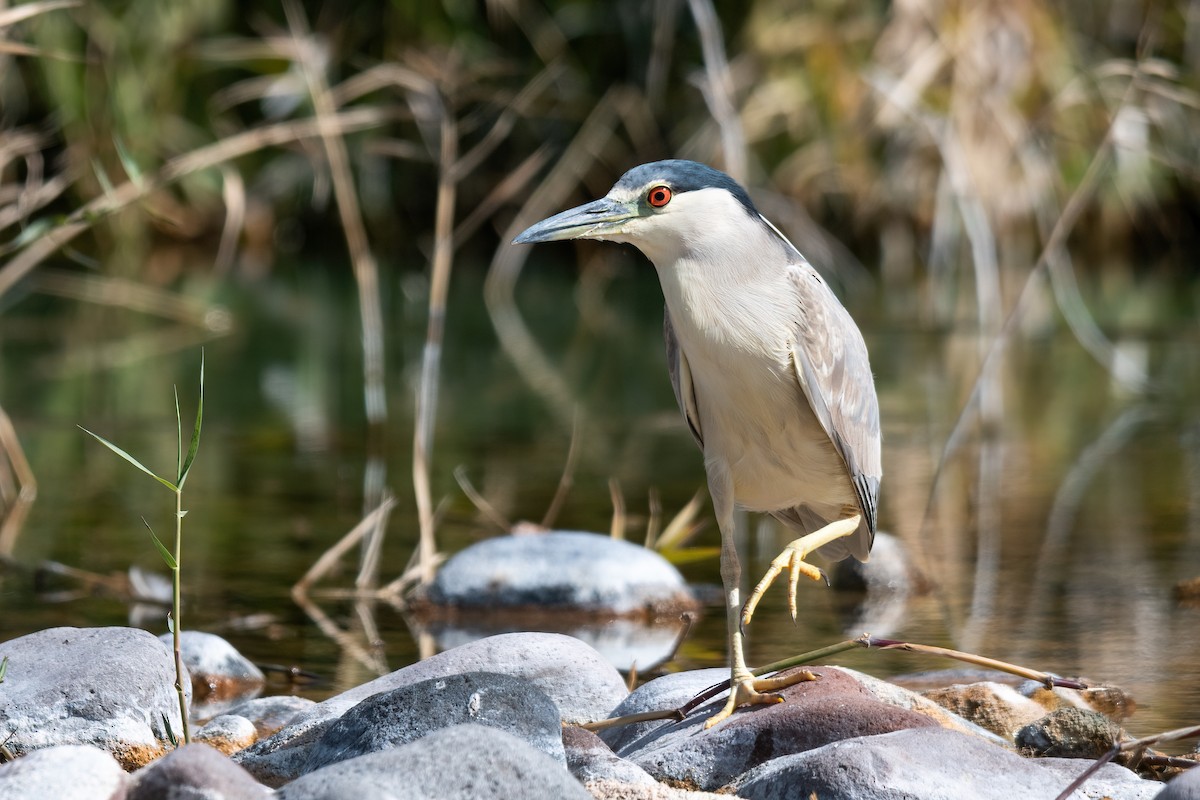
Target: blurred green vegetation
[[861, 122]]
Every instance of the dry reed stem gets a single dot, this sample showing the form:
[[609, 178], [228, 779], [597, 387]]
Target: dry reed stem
[[132, 296], [334, 554], [522, 349], [717, 88], [567, 478], [125, 194], [366, 271], [24, 486], [233, 193], [427, 390], [616, 528], [479, 501]]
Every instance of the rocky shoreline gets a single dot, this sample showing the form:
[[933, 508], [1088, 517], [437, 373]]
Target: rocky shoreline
[[85, 714]]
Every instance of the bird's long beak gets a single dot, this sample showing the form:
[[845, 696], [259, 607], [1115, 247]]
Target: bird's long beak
[[595, 220]]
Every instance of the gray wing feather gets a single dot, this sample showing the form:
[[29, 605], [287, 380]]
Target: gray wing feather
[[832, 368], [681, 380]]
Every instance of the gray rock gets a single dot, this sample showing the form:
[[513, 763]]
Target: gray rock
[[890, 693], [562, 569], [1110, 781], [269, 714], [465, 762], [923, 764], [403, 715], [590, 760], [218, 670], [574, 676], [625, 642], [1182, 787], [195, 772], [999, 708], [68, 772], [106, 687], [616, 790], [661, 694], [813, 713], [1069, 733], [228, 733]]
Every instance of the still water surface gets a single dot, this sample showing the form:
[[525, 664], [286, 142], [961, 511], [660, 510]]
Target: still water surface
[[1054, 541]]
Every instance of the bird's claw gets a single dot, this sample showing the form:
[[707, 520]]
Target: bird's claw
[[746, 690], [792, 558]]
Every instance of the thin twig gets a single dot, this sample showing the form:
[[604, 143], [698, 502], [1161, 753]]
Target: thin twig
[[479, 501], [1190, 732], [617, 528], [567, 478], [331, 556]]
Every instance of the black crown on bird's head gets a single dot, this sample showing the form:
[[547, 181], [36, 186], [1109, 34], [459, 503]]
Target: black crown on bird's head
[[685, 176]]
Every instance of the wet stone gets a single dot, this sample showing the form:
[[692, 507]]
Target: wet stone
[[563, 569], [403, 715], [228, 733], [195, 771], [218, 670], [813, 713], [269, 714], [1185, 786], [1069, 733], [464, 762], [999, 708], [590, 760], [106, 687], [67, 772], [582, 685], [921, 764]]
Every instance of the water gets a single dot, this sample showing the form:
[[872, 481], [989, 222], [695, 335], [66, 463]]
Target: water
[[1054, 541]]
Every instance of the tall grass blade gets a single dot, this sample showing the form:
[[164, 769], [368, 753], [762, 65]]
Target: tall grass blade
[[129, 458], [162, 548], [195, 443], [178, 436]]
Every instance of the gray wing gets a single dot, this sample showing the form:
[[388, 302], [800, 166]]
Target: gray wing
[[681, 380], [830, 360]]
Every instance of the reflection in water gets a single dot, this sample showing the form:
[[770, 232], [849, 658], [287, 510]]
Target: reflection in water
[[1055, 537]]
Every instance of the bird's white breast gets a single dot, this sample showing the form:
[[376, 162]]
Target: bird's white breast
[[734, 311]]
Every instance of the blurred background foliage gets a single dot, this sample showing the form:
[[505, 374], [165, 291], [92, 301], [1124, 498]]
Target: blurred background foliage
[[875, 125]]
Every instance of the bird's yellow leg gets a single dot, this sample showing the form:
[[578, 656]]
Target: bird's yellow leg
[[792, 558], [744, 688]]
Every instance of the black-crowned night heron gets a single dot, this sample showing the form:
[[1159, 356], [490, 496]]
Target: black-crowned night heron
[[769, 370]]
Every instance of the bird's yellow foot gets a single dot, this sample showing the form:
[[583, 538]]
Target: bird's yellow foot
[[792, 558], [747, 690]]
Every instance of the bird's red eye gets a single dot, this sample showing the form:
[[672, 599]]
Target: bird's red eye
[[659, 196]]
